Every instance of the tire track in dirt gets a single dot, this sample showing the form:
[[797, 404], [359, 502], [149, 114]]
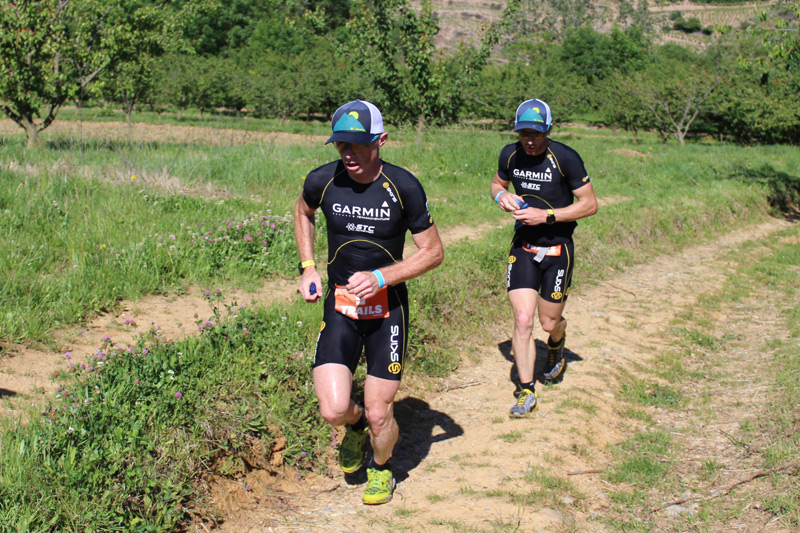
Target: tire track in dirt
[[460, 459]]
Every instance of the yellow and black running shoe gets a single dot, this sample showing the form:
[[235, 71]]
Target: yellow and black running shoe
[[353, 449], [380, 487], [555, 360]]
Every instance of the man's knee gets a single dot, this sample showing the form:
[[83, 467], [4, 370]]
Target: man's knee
[[550, 324], [523, 321], [379, 416], [335, 413]]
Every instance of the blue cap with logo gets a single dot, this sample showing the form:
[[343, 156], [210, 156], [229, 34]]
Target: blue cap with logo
[[533, 115], [357, 122]]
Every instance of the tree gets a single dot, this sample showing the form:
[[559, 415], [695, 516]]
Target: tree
[[621, 104], [674, 92], [394, 47], [52, 49]]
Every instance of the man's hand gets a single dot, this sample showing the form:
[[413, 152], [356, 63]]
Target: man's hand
[[362, 284], [531, 216], [310, 277]]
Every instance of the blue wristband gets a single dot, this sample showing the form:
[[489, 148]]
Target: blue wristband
[[381, 281], [497, 198]]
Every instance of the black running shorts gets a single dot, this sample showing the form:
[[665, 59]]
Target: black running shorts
[[551, 277], [383, 340]]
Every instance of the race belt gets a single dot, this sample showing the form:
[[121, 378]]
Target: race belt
[[542, 251], [350, 305]]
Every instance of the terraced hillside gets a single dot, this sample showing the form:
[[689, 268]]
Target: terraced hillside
[[463, 20]]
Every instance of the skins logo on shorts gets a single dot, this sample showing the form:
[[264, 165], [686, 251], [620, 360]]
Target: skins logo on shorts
[[322, 326], [512, 259], [395, 368], [556, 295]]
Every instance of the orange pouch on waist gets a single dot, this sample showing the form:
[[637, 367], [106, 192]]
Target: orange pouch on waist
[[351, 306], [552, 251]]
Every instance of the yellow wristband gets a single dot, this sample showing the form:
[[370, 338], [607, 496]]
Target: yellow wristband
[[309, 263]]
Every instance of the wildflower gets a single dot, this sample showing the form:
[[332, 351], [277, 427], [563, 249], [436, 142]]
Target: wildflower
[[68, 355], [133, 176], [302, 454], [179, 395], [145, 351]]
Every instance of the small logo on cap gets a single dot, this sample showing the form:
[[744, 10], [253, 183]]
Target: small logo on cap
[[349, 122]]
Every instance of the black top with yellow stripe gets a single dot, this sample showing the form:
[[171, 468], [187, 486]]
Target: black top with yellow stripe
[[367, 223], [544, 181]]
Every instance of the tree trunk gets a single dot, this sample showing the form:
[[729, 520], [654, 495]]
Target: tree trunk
[[31, 131]]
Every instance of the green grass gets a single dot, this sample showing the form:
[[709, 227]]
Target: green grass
[[81, 234], [646, 460]]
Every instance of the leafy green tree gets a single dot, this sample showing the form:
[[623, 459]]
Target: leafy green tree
[[621, 104], [596, 56], [393, 46], [220, 26], [675, 92], [52, 49]]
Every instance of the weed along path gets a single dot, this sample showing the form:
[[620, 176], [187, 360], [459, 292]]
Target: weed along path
[[27, 372], [463, 465]]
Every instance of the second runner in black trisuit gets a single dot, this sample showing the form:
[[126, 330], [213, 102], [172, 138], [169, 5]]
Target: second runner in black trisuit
[[548, 177]]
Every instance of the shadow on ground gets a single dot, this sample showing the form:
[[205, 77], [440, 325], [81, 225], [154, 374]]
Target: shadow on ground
[[420, 427], [541, 360]]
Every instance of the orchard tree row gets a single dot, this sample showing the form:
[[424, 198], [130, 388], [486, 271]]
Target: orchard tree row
[[302, 58]]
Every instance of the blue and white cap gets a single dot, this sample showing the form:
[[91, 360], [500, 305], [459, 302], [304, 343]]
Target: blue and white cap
[[357, 122], [533, 115]]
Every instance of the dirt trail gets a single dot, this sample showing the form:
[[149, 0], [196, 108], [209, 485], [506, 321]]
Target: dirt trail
[[460, 458]]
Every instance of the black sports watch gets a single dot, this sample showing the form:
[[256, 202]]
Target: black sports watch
[[551, 217]]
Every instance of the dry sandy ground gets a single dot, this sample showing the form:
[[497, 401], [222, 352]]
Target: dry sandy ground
[[459, 452]]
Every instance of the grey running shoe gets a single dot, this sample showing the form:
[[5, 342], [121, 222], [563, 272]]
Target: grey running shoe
[[526, 404], [555, 360]]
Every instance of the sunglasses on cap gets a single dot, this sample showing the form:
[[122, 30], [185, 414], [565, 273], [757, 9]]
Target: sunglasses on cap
[[536, 136], [341, 146]]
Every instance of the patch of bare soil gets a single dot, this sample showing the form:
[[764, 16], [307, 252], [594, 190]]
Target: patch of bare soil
[[627, 152], [26, 372], [461, 463], [164, 133]]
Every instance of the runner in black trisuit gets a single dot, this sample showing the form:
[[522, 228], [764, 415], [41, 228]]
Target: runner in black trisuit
[[546, 175], [368, 206]]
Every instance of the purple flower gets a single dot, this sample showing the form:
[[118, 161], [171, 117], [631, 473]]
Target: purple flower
[[68, 355], [179, 395], [90, 369], [208, 293], [302, 454]]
